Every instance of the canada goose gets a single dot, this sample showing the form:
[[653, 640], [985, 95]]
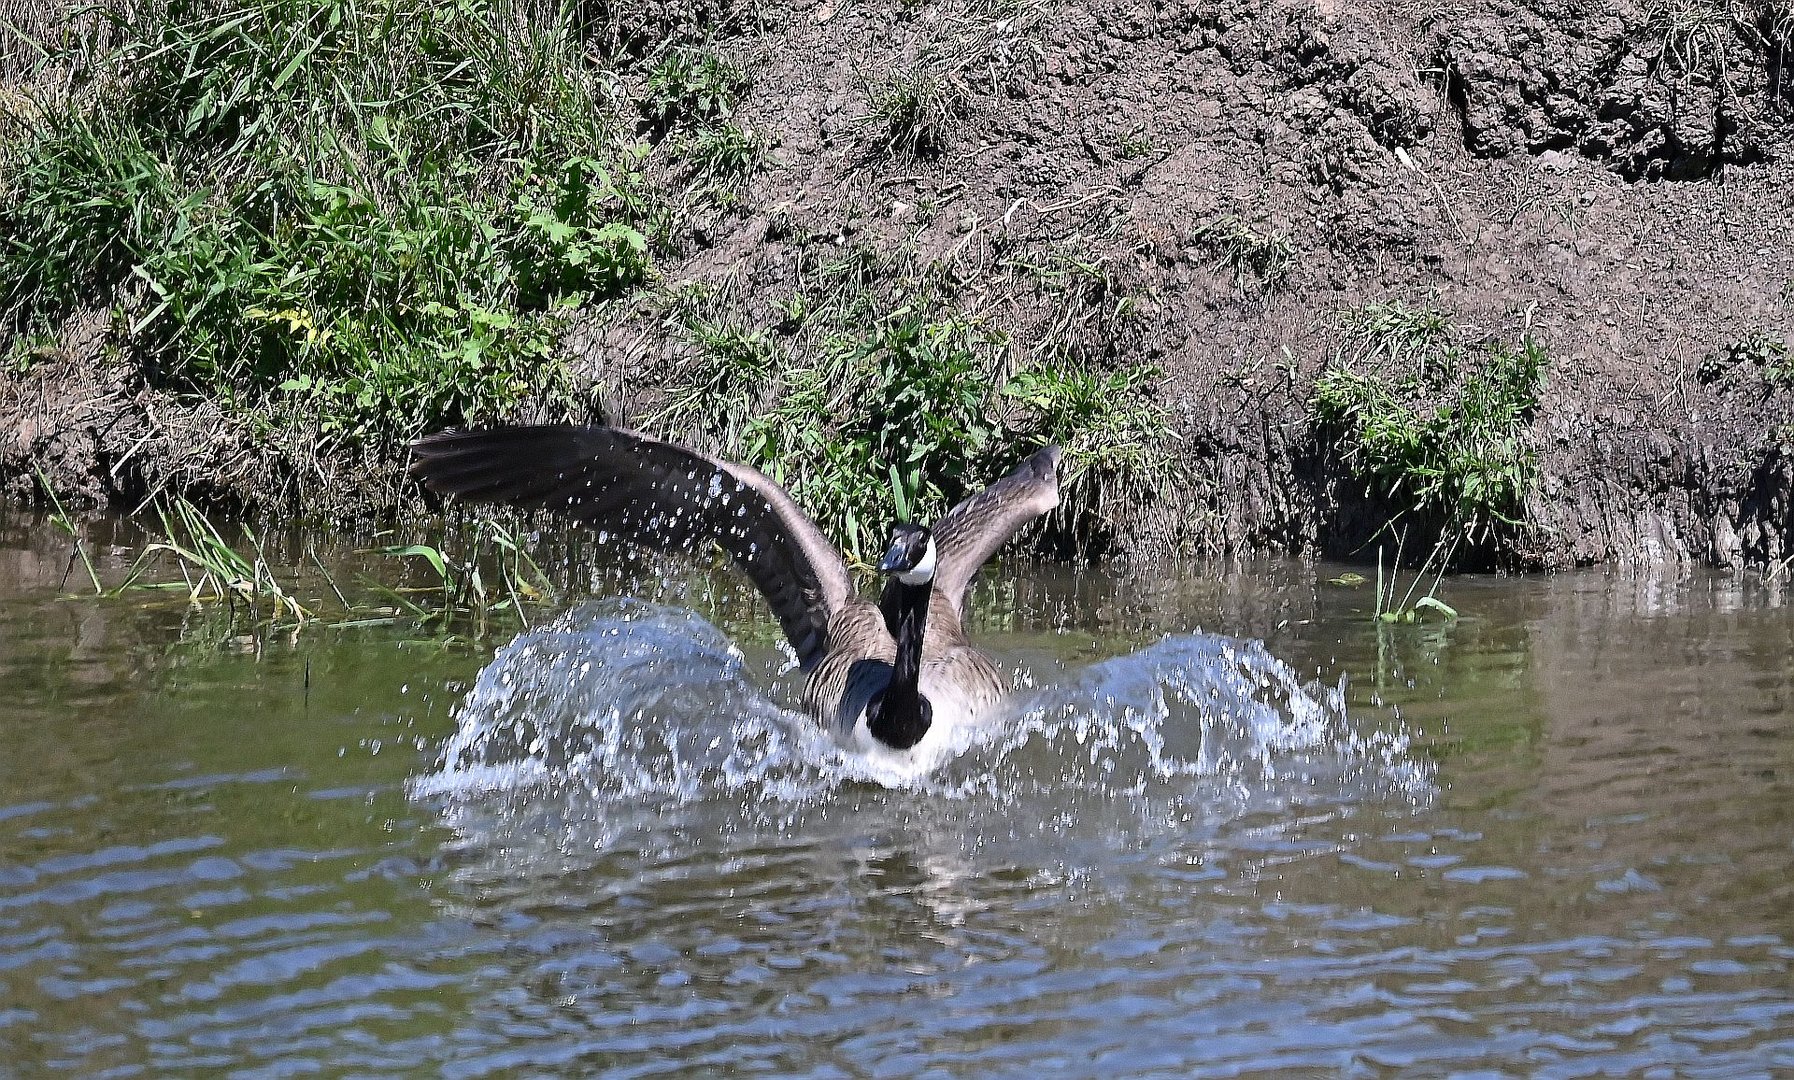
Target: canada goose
[[880, 677]]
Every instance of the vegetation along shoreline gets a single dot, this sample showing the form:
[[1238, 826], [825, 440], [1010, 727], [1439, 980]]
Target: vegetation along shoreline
[[1509, 285]]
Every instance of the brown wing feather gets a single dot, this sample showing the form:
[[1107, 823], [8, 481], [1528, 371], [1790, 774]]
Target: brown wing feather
[[660, 496], [970, 533]]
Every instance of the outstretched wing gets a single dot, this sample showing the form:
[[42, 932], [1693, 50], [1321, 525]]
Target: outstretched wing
[[970, 533], [660, 496]]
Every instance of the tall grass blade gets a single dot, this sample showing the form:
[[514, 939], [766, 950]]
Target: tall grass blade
[[63, 522]]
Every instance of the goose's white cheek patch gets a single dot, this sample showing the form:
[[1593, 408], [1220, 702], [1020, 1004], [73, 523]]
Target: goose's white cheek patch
[[923, 572]]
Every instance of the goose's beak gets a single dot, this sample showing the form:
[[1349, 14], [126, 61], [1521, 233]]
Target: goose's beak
[[894, 560]]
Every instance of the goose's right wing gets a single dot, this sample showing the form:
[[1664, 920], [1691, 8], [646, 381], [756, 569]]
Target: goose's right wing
[[970, 533], [660, 496]]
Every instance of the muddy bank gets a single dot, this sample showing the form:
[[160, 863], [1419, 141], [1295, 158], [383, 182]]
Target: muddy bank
[[1203, 187]]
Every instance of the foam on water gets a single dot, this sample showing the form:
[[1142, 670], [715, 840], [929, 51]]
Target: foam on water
[[629, 715]]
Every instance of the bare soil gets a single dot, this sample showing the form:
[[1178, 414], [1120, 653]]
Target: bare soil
[[1559, 168]]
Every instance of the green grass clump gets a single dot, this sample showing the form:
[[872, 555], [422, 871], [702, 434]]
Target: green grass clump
[[1257, 261], [1439, 426], [899, 410], [1115, 435], [374, 215], [1696, 35], [719, 379], [726, 152], [877, 408], [915, 110]]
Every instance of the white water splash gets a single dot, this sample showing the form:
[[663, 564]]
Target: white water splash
[[636, 708], [641, 700]]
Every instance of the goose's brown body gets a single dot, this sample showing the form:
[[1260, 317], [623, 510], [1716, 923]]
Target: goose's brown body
[[838, 688]]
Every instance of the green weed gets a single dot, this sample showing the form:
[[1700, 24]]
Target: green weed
[[909, 394], [26, 351], [872, 388], [1136, 144], [1421, 338], [1411, 608], [1115, 435], [1440, 427], [793, 312], [912, 408], [692, 85], [1766, 352], [1068, 270], [210, 566], [726, 152], [62, 520], [1758, 351], [632, 33], [720, 379]]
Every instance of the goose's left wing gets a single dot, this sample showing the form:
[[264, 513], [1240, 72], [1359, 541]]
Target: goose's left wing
[[659, 496], [970, 533]]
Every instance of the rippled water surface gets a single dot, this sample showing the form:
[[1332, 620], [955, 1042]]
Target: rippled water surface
[[1229, 825]]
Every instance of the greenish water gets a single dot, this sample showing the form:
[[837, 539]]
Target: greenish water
[[1555, 838]]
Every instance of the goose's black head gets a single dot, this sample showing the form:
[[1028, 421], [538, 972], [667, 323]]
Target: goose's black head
[[911, 555]]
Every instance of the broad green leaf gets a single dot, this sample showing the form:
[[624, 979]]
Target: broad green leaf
[[1437, 605], [423, 551]]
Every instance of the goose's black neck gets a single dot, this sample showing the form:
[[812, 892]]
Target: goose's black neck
[[899, 716]]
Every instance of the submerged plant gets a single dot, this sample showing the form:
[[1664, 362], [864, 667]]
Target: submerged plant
[[1411, 608], [480, 575], [493, 576], [62, 521], [210, 567]]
